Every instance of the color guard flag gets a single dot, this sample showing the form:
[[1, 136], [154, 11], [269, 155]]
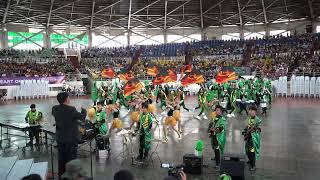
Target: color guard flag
[[108, 72], [161, 77], [172, 76], [152, 71], [194, 77], [226, 74], [133, 85], [187, 68]]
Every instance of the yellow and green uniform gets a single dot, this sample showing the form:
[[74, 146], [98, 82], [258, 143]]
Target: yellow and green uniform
[[218, 138], [33, 118], [100, 121], [145, 124], [254, 138]]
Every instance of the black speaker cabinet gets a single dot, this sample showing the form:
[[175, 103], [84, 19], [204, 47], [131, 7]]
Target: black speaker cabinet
[[234, 166], [192, 164]]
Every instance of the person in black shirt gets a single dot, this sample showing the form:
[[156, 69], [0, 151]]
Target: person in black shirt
[[67, 130]]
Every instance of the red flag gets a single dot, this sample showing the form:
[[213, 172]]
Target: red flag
[[186, 69], [133, 85], [108, 72], [193, 77], [225, 75], [161, 77], [126, 75], [172, 76], [152, 71]]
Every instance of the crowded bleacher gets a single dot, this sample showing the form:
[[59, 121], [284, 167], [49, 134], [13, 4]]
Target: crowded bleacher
[[274, 57]]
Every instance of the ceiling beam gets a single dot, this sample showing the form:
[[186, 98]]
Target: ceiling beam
[[92, 13], [45, 14], [165, 14], [50, 11], [129, 16], [110, 6], [212, 7], [311, 10], [6, 12], [201, 15], [264, 12], [240, 13]]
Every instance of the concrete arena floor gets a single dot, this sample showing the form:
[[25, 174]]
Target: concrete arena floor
[[290, 142]]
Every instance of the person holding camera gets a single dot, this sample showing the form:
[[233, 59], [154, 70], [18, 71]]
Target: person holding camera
[[252, 137], [217, 133], [145, 125]]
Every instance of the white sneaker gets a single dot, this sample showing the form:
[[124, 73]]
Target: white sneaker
[[205, 117], [198, 117], [228, 115], [233, 115]]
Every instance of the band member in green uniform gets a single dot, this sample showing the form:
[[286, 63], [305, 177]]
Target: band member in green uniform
[[94, 93], [202, 101], [145, 125], [217, 133], [252, 137], [33, 117], [101, 126], [181, 97], [100, 119]]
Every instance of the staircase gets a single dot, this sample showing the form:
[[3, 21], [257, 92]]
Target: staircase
[[11, 168]]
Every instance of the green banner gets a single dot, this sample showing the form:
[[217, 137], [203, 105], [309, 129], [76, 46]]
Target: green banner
[[60, 39], [17, 37]]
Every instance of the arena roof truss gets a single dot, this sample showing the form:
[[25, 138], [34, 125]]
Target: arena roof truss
[[160, 16]]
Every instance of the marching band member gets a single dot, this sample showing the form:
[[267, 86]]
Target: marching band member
[[115, 110], [101, 126], [144, 125], [217, 133], [181, 97], [33, 117], [202, 103], [170, 120], [252, 137]]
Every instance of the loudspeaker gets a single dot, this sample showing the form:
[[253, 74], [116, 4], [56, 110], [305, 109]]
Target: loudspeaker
[[192, 164], [233, 166]]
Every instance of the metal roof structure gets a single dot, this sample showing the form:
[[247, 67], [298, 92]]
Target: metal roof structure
[[162, 14]]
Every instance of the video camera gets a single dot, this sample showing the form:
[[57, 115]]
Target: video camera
[[173, 171]]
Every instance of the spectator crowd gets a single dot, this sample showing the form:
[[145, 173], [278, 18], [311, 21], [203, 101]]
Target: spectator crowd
[[273, 57]]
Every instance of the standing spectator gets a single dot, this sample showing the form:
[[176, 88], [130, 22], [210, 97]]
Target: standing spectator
[[67, 130]]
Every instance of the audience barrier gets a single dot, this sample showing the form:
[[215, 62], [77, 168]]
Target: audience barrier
[[297, 86]]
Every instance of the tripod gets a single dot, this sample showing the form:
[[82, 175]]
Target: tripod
[[127, 148]]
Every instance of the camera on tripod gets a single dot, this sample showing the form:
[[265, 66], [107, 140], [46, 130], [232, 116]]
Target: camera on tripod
[[173, 171]]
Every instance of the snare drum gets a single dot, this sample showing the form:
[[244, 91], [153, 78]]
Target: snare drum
[[223, 104], [263, 104], [238, 100]]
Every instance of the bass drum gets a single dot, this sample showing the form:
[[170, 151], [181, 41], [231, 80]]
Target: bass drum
[[87, 130]]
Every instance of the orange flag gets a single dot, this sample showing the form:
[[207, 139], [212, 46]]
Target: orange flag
[[225, 75], [194, 77], [133, 85], [108, 72]]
